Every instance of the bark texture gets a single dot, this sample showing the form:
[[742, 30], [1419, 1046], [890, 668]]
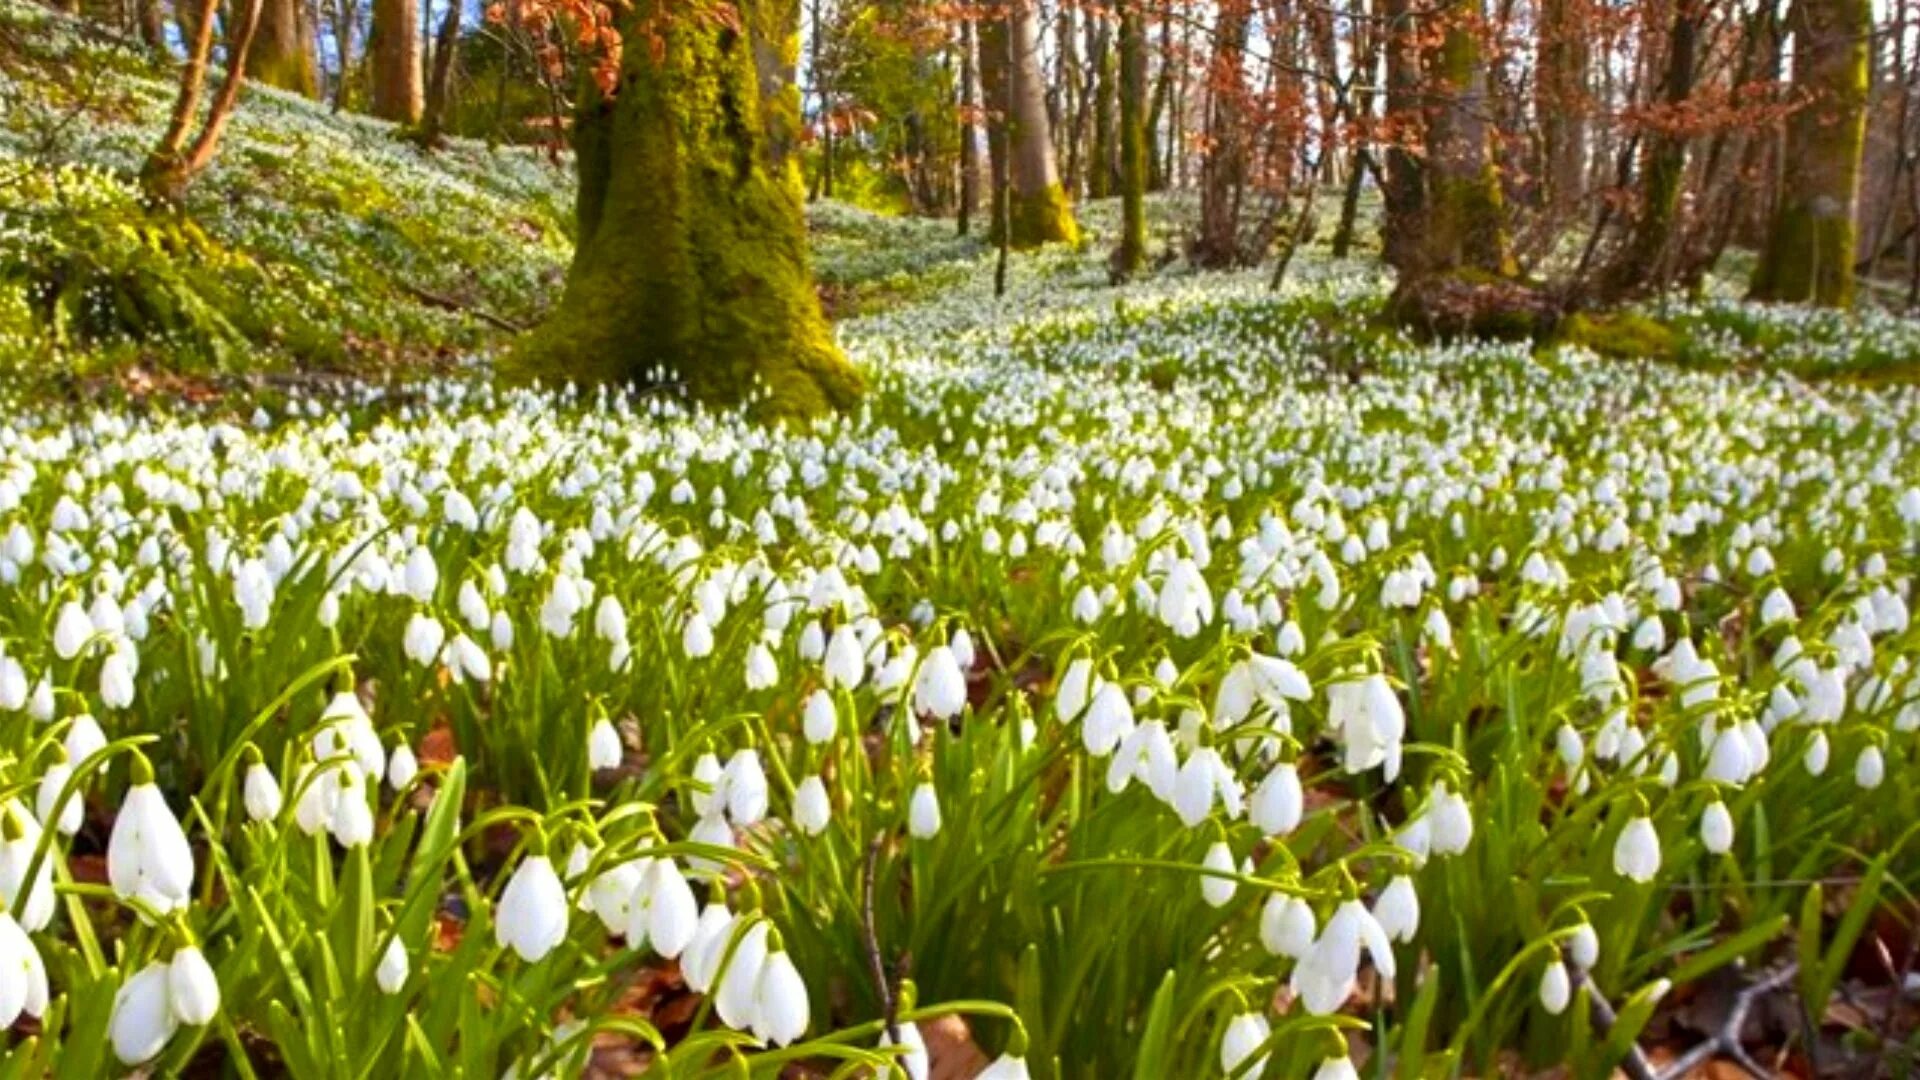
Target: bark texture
[[283, 49], [1809, 254], [394, 48], [692, 265], [1131, 253], [1019, 138]]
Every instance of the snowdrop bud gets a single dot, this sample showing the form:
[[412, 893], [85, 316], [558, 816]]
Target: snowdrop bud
[[13, 685], [391, 972], [1074, 690], [923, 812], [1556, 988], [21, 838], [603, 746], [1287, 926], [740, 979], [148, 858], [532, 916], [1336, 1068], [1716, 828], [352, 821], [1817, 754], [1398, 909], [1583, 947], [260, 792], [811, 809], [192, 988], [25, 989], [1278, 802], [1243, 1038], [402, 766], [52, 783], [143, 1018], [762, 671], [696, 637], [1218, 891], [672, 914], [1869, 768], [1636, 853], [821, 718], [84, 739], [71, 629], [40, 705], [116, 681], [845, 664]]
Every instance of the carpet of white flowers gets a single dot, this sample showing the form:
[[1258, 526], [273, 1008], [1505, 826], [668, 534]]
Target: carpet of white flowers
[[1172, 681]]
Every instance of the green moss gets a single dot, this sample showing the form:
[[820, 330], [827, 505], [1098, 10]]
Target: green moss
[[697, 270], [1624, 335], [1043, 217]]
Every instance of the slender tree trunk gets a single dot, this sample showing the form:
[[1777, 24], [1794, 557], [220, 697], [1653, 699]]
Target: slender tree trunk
[[1810, 250], [692, 262], [1072, 95], [1024, 168], [970, 178], [1131, 254], [1223, 168], [440, 84], [1162, 90], [395, 47], [343, 20], [1644, 263], [1403, 235], [1560, 101], [153, 24], [1103, 169], [173, 163]]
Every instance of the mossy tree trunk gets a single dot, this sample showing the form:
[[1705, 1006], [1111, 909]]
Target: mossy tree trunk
[[691, 265], [1560, 101], [1130, 255], [446, 47], [283, 49], [394, 47], [1020, 141], [1101, 170], [1809, 252], [1466, 225]]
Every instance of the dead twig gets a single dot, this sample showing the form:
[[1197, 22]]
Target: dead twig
[[1724, 1042], [889, 1001], [448, 303]]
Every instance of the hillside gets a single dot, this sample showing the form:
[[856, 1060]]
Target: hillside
[[316, 239]]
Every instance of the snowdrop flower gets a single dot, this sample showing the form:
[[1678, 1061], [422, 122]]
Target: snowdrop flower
[[24, 989], [1324, 977], [1716, 828], [762, 671], [696, 637], [923, 812], [746, 787], [84, 739], [1201, 780], [1817, 754], [391, 973], [913, 1058], [820, 718], [940, 688], [1006, 1067], [52, 783], [71, 630], [192, 989], [603, 746], [352, 820], [1108, 720], [664, 914], [21, 836], [1869, 768], [1336, 1068], [148, 858], [1556, 988], [781, 1011], [402, 766], [1452, 821], [421, 576], [1398, 909], [700, 961], [1147, 755], [1075, 689], [561, 607], [1636, 853], [116, 680], [845, 664], [532, 916], [1278, 802], [1287, 926], [739, 980], [1371, 722], [1243, 1038], [259, 791], [811, 809], [1583, 947], [1218, 891], [143, 1017], [423, 639]]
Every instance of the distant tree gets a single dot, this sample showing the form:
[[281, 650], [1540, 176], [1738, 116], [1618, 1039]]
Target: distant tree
[[1029, 201], [1131, 253], [394, 49], [283, 48]]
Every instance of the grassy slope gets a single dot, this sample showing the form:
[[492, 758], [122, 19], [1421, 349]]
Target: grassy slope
[[315, 238]]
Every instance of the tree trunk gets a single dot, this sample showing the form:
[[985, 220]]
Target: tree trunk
[[394, 46], [282, 53], [172, 164], [1072, 97], [970, 178], [1560, 101], [1102, 168], [1810, 248], [1223, 168], [1645, 262], [1466, 218], [153, 24], [1403, 194], [1131, 253], [440, 84], [691, 262], [1162, 90], [1021, 143]]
